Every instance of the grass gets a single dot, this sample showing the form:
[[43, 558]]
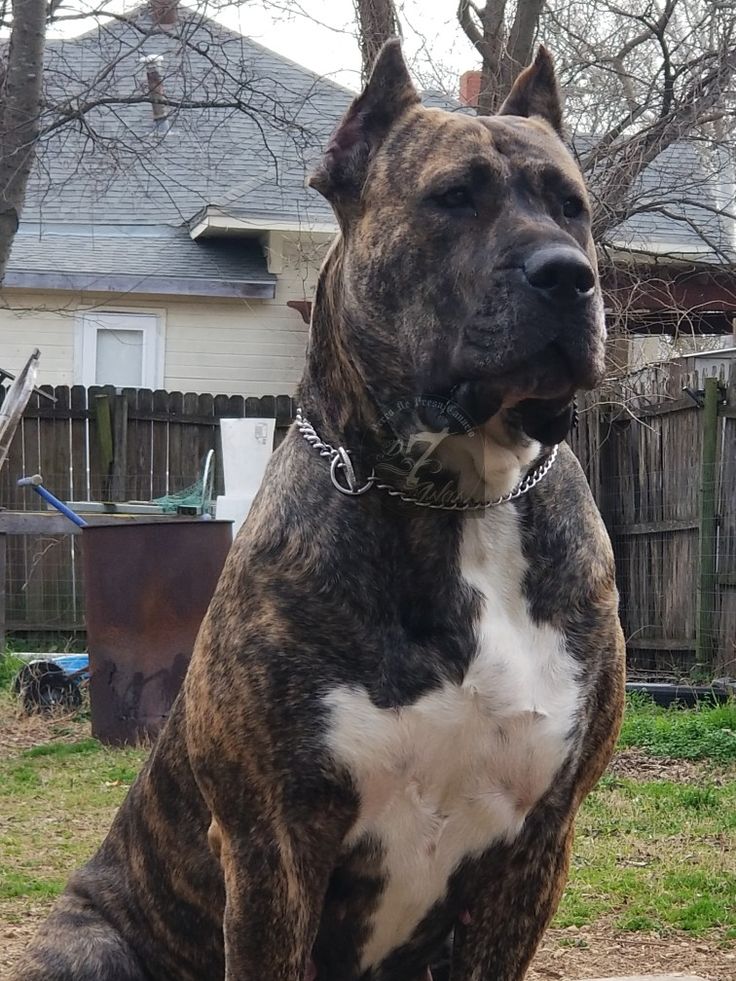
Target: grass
[[651, 856], [10, 665], [656, 854], [60, 799], [708, 733], [659, 854]]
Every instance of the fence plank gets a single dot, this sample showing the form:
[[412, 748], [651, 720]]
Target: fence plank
[[706, 592], [31, 444], [140, 447], [177, 480], [56, 440], [221, 403], [14, 497], [118, 483], [190, 440], [79, 450], [268, 407], [99, 463], [207, 434], [160, 446], [236, 407], [253, 409], [283, 411]]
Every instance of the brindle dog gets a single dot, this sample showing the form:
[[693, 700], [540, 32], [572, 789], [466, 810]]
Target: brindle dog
[[393, 712]]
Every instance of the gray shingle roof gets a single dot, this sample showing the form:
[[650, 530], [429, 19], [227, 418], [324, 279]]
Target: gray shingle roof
[[118, 166], [683, 196], [152, 259], [246, 153]]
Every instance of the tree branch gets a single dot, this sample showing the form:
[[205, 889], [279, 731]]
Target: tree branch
[[636, 155], [464, 16]]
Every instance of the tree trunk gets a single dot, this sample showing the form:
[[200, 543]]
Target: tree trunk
[[518, 52], [377, 22], [503, 54], [20, 105]]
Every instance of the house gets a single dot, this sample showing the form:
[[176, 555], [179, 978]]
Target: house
[[167, 244], [168, 239]]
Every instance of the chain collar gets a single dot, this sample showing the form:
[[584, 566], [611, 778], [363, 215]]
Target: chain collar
[[341, 467]]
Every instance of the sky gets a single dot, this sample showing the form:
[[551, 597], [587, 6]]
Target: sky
[[319, 34]]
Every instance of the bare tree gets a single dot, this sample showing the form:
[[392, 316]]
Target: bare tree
[[21, 80]]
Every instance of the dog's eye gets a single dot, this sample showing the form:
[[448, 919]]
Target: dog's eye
[[455, 199], [572, 207]]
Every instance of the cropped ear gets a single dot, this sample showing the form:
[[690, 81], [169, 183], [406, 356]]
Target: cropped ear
[[389, 92], [536, 92]]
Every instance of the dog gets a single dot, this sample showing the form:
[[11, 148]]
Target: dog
[[405, 686]]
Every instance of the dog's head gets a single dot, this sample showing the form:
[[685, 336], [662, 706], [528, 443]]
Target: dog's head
[[466, 263]]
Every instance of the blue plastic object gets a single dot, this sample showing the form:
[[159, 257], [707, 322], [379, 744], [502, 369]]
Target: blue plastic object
[[71, 663]]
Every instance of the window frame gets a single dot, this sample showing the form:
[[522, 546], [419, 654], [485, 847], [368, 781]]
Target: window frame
[[85, 342]]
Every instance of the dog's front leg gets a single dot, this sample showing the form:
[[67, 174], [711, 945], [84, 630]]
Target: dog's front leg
[[276, 873], [273, 899], [516, 894]]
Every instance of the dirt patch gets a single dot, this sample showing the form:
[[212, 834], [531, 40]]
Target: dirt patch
[[599, 951], [16, 932], [634, 764], [19, 731]]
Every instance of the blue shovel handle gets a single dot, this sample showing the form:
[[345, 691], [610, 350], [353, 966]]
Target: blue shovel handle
[[36, 485]]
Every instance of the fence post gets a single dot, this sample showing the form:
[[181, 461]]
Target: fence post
[[706, 596], [119, 447]]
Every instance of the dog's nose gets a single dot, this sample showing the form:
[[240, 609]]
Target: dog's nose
[[560, 271]]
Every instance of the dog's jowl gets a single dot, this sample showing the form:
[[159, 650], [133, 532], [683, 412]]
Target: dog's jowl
[[411, 672]]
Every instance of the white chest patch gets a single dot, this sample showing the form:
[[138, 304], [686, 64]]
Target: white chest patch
[[462, 767]]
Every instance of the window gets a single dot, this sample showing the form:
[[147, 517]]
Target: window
[[121, 349]]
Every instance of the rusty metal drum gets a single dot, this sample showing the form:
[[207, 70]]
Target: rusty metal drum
[[147, 586]]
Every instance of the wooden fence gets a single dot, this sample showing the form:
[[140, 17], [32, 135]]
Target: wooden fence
[[99, 444], [659, 450], [662, 465]]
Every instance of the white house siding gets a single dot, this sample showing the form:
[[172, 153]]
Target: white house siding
[[38, 320], [644, 350], [228, 346]]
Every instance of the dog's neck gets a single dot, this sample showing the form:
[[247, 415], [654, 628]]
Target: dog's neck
[[332, 391]]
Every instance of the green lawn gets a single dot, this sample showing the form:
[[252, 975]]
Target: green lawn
[[56, 803], [657, 855]]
